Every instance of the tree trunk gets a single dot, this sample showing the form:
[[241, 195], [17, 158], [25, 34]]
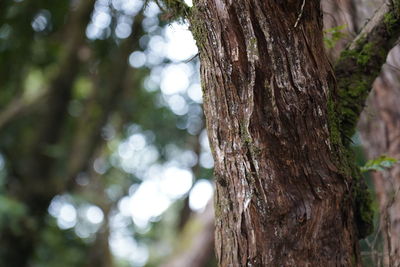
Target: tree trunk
[[380, 131], [283, 180]]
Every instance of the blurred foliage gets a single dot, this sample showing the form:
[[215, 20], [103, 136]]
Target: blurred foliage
[[372, 245], [333, 35], [11, 211], [379, 164], [71, 105], [66, 248]]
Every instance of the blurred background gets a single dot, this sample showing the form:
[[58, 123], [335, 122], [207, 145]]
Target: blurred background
[[104, 157], [103, 152]]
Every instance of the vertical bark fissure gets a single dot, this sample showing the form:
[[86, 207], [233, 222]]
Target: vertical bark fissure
[[282, 197]]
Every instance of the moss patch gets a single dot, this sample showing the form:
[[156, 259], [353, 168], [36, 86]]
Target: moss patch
[[174, 9], [360, 195], [197, 28]]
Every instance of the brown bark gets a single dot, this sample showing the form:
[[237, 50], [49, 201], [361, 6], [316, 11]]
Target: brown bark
[[283, 186], [380, 131]]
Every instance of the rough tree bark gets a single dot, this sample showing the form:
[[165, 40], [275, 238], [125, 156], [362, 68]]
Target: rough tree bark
[[283, 185], [286, 181]]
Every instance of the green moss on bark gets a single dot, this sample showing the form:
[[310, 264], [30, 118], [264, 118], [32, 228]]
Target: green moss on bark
[[357, 72], [363, 201], [359, 192], [174, 9], [197, 27], [358, 67]]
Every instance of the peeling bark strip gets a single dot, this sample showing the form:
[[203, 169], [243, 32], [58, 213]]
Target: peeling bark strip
[[282, 196]]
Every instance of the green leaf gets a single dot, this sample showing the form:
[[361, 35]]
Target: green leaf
[[379, 164], [333, 35]]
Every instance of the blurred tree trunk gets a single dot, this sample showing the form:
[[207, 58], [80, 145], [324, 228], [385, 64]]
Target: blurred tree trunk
[[380, 131], [58, 172], [342, 14], [100, 253], [195, 241], [379, 123], [286, 183]]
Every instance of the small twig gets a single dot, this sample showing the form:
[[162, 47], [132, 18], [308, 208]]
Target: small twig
[[160, 6], [193, 57], [301, 13]]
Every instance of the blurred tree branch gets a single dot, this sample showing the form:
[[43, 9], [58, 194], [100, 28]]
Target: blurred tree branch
[[108, 88], [361, 62], [61, 82], [17, 107]]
